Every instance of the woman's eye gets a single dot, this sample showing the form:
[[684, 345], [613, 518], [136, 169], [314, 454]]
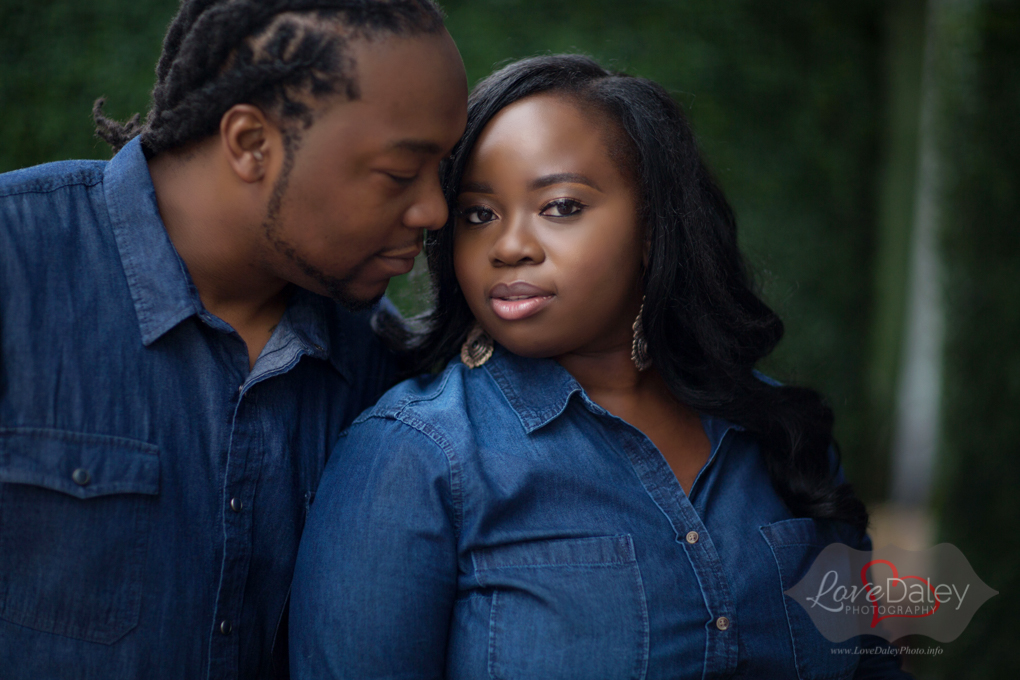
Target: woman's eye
[[477, 215], [563, 207]]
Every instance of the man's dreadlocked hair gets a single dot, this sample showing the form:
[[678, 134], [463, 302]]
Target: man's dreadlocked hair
[[269, 53]]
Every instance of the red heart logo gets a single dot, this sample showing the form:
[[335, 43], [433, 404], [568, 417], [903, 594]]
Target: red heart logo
[[875, 618]]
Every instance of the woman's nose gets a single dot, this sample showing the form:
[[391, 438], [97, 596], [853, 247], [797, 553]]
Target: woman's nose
[[517, 244]]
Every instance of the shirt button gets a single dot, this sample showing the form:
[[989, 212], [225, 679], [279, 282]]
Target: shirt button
[[225, 627], [320, 348], [81, 476], [722, 623], [692, 537], [236, 505]]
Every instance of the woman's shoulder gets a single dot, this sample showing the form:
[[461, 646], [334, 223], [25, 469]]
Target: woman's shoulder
[[423, 392], [437, 403], [412, 425]]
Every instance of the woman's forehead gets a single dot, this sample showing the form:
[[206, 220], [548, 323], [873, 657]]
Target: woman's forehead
[[541, 135]]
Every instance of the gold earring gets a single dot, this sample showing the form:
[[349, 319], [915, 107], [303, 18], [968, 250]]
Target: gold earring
[[477, 349], [639, 347]]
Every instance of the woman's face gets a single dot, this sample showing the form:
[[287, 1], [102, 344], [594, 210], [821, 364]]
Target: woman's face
[[548, 250]]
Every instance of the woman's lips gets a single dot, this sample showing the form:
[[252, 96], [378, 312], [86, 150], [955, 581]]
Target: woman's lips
[[518, 300], [512, 310]]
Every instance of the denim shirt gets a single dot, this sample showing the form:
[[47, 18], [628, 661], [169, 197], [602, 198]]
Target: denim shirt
[[152, 487], [497, 523]]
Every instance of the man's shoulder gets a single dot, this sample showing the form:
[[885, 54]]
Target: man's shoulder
[[352, 344], [42, 206], [355, 330], [49, 217], [49, 177]]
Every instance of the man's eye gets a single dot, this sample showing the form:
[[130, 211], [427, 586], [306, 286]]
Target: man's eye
[[563, 207], [401, 179], [477, 215]]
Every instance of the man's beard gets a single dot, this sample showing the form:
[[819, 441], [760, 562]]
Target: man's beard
[[336, 288]]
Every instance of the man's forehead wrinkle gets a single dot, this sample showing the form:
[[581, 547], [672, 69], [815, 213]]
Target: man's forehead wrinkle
[[418, 146]]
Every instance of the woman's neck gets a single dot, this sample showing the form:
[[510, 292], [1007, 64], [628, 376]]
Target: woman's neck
[[609, 372], [643, 399]]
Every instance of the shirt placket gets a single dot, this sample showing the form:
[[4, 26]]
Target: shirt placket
[[243, 462], [658, 479]]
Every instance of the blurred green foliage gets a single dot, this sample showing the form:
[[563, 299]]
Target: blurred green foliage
[[57, 57], [978, 505]]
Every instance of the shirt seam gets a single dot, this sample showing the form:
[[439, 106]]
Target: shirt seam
[[21, 190], [440, 440]]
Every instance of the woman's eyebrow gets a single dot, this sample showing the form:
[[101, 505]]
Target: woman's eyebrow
[[563, 178]]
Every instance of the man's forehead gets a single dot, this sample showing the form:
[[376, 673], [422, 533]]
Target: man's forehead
[[413, 95]]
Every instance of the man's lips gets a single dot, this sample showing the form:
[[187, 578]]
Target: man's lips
[[400, 261], [518, 300]]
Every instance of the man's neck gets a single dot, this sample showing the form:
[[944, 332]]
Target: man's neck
[[213, 220]]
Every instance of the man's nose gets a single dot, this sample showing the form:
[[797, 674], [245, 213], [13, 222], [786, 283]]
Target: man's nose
[[429, 210]]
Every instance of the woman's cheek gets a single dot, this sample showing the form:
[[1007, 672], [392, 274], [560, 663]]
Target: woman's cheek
[[468, 262]]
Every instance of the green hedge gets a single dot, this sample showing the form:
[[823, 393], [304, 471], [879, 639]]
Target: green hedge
[[978, 504]]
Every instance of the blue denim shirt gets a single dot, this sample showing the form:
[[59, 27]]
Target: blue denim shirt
[[152, 487], [497, 523]]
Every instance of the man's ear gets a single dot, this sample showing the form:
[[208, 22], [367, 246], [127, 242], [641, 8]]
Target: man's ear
[[251, 142]]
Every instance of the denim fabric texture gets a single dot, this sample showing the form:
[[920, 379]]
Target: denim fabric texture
[[496, 523], [152, 487]]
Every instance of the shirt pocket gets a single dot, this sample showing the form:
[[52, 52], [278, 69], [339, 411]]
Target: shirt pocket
[[75, 515], [565, 608], [795, 544]]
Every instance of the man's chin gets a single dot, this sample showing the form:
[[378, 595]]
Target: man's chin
[[339, 291], [352, 294], [355, 305]]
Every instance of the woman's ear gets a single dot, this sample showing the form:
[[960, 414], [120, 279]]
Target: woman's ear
[[250, 141]]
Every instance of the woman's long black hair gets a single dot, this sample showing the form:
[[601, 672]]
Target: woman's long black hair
[[705, 326]]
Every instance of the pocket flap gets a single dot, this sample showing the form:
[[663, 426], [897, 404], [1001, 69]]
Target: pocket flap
[[798, 531], [81, 465]]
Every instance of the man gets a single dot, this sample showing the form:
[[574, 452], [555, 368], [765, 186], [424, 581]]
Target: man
[[174, 365]]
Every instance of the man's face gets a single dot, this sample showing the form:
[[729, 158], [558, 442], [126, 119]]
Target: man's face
[[351, 201]]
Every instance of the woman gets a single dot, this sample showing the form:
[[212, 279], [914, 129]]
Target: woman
[[600, 486]]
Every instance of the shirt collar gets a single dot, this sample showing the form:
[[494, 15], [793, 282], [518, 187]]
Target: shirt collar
[[539, 390], [317, 323], [160, 286], [536, 389]]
